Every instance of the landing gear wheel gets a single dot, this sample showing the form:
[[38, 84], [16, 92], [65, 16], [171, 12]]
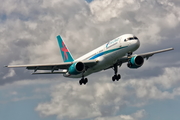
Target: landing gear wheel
[[129, 64], [113, 78], [116, 77], [83, 81], [129, 53]]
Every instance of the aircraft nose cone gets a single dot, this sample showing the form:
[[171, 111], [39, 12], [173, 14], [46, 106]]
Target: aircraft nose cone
[[135, 44], [138, 43]]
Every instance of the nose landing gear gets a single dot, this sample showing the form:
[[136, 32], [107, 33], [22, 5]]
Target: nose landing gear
[[129, 54]]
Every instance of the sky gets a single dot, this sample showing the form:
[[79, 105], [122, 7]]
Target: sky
[[28, 30]]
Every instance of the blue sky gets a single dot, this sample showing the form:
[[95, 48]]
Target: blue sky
[[28, 31]]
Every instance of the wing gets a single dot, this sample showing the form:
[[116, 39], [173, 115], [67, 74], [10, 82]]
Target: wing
[[144, 55], [54, 66], [149, 54]]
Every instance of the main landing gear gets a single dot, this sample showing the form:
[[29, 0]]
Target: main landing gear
[[83, 80], [116, 77]]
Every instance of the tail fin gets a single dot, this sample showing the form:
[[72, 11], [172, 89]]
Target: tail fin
[[66, 55]]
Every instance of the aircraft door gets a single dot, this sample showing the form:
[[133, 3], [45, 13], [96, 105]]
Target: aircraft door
[[120, 42], [125, 42]]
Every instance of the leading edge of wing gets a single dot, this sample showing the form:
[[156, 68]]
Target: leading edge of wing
[[148, 54]]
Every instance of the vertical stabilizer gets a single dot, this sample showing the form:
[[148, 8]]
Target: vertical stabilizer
[[66, 55]]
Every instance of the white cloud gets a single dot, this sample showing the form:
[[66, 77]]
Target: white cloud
[[10, 74], [28, 34], [107, 9], [33, 26], [172, 20], [135, 116], [103, 98]]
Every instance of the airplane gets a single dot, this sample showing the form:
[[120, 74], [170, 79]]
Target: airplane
[[110, 55]]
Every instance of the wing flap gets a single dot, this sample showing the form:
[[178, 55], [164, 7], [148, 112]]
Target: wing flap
[[54, 66], [36, 73]]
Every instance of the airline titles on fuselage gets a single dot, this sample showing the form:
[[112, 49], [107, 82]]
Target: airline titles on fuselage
[[112, 43]]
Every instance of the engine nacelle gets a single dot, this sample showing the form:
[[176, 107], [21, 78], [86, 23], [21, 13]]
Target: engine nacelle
[[76, 68], [135, 62]]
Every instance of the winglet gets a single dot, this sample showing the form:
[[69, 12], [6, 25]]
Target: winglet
[[66, 55]]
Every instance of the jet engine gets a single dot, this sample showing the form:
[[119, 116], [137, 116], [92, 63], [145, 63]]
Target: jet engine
[[135, 62], [76, 68]]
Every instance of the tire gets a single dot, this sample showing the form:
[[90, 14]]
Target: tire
[[113, 78], [85, 80], [80, 82], [119, 77]]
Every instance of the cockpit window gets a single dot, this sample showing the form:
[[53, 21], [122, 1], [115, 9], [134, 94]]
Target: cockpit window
[[131, 38], [135, 37]]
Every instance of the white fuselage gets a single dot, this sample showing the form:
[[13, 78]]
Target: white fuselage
[[108, 54]]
